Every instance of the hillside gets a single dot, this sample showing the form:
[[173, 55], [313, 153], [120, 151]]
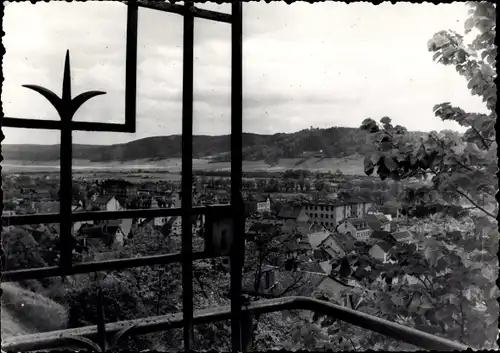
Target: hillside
[[335, 142]]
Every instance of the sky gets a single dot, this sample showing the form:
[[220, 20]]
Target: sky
[[321, 65]]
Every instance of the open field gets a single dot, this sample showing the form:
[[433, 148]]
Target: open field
[[157, 169]]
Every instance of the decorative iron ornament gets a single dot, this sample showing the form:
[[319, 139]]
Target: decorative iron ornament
[[66, 107]]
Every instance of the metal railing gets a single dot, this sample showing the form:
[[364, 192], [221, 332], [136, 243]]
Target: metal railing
[[62, 338], [237, 312]]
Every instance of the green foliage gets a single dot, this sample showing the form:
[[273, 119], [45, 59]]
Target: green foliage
[[21, 250], [121, 301], [445, 287], [461, 167]]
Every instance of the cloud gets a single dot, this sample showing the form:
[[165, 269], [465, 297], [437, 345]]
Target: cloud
[[326, 64]]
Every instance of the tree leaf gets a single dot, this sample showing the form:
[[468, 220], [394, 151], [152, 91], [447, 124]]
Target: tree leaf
[[390, 164]]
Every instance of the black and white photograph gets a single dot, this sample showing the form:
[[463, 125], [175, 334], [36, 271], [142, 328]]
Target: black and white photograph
[[249, 176]]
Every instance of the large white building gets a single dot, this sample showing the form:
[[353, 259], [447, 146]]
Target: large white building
[[330, 214]]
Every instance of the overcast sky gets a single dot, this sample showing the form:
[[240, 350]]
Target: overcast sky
[[321, 65]]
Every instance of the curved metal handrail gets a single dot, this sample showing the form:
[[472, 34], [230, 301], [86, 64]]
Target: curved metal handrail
[[61, 338]]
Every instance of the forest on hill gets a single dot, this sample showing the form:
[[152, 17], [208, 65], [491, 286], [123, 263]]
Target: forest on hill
[[334, 142]]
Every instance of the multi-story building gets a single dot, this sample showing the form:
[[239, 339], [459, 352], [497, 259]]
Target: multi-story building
[[330, 214]]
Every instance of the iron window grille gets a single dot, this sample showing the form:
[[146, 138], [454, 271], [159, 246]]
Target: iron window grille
[[238, 312]]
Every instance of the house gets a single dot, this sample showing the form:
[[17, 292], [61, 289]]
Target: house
[[257, 203], [109, 235], [384, 236], [126, 226], [333, 246], [293, 212], [404, 236], [359, 207], [381, 251], [106, 203], [174, 224], [390, 209], [158, 221], [294, 216], [355, 227], [315, 239], [118, 188], [378, 221]]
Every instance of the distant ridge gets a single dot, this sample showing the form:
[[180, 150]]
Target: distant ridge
[[334, 142]]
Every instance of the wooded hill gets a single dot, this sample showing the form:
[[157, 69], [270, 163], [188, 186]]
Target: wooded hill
[[333, 142]]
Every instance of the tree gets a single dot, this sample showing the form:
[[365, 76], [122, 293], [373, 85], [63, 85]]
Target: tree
[[437, 287], [319, 184], [462, 168], [338, 174], [272, 157], [307, 184], [22, 251]]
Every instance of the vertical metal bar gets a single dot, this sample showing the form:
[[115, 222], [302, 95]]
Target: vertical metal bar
[[101, 319], [238, 250], [247, 328], [187, 174], [131, 67], [66, 182]]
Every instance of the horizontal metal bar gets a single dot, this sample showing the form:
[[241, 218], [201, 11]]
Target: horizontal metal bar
[[96, 266], [211, 15], [56, 125], [59, 339], [105, 215], [179, 9]]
